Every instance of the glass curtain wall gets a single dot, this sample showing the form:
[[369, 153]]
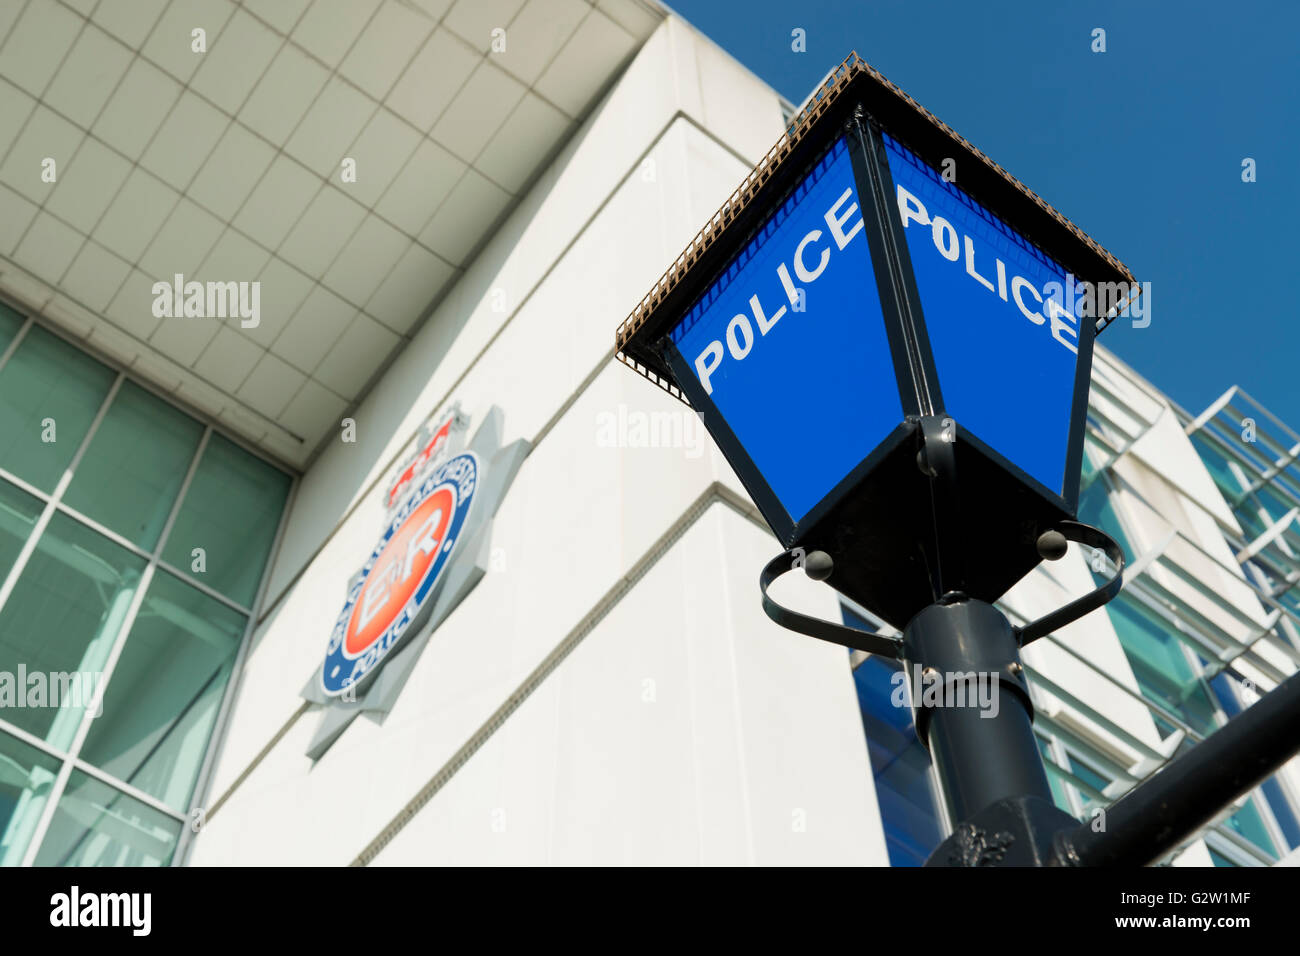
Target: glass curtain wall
[[1187, 695], [133, 539]]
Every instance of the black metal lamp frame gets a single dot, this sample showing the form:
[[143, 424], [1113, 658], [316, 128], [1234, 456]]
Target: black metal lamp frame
[[990, 771]]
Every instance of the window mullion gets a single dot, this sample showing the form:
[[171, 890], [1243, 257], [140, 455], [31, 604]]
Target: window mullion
[[51, 504], [12, 347], [60, 784]]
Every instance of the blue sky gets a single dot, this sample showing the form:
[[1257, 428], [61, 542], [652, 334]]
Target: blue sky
[[1141, 146]]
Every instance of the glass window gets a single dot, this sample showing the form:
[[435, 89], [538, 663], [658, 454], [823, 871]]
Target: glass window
[[18, 514], [134, 467], [1093, 779], [1228, 695], [1269, 499], [59, 624], [908, 809], [1219, 859], [1093, 452], [47, 381], [1248, 823], [1096, 509], [1055, 779], [97, 825], [901, 767], [26, 776], [70, 602], [1164, 727], [1160, 665], [1217, 465], [1095, 782], [10, 323], [231, 511], [1282, 811], [1251, 523], [166, 688]]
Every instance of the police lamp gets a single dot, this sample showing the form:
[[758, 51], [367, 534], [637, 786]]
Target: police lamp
[[890, 339], [878, 309]]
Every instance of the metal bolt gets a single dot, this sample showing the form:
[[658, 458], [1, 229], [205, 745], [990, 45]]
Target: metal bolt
[[1052, 545], [818, 565]]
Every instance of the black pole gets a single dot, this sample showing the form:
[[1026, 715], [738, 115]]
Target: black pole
[[974, 713], [1162, 811]]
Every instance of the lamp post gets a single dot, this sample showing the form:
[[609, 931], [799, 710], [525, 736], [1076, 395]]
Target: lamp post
[[890, 339]]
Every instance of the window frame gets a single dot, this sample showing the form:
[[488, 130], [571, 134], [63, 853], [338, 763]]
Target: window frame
[[51, 503]]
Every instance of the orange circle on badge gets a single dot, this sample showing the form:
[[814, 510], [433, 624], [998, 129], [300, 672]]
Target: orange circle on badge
[[398, 571]]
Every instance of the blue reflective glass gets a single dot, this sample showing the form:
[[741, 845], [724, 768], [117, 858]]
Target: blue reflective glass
[[1055, 779], [899, 762], [1281, 807], [1090, 778]]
